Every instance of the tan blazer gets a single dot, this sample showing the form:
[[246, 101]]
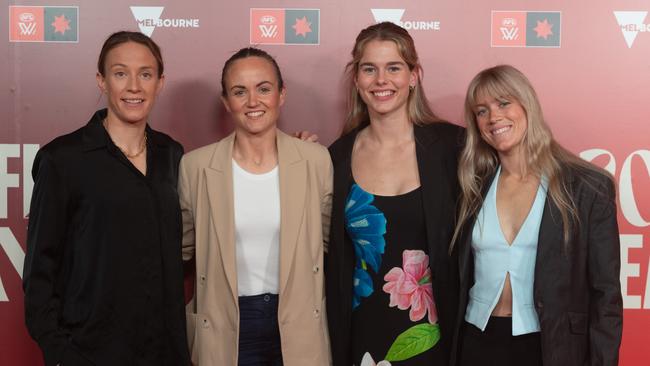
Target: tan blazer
[[206, 196]]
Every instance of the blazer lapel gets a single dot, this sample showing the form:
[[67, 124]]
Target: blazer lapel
[[293, 189], [340, 257], [218, 178], [430, 165], [549, 242]]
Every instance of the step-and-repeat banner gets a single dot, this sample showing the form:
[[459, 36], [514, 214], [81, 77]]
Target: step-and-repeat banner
[[589, 61]]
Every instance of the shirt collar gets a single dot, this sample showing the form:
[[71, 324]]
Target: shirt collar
[[95, 135]]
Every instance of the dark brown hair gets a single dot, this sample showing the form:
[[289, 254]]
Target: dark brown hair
[[245, 53], [120, 37]]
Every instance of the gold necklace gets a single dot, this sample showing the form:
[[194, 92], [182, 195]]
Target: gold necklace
[[143, 144]]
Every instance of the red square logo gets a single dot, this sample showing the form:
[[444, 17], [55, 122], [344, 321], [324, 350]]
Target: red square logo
[[26, 24], [267, 26], [508, 29]]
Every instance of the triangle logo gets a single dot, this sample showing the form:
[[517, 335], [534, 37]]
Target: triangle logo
[[625, 18], [147, 17], [388, 15]]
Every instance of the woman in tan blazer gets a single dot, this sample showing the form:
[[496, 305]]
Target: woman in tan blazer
[[256, 210]]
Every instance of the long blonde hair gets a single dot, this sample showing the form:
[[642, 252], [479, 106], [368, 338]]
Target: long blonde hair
[[543, 155], [419, 111]]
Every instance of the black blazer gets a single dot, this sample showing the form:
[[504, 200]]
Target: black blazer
[[103, 275], [577, 292], [437, 148]]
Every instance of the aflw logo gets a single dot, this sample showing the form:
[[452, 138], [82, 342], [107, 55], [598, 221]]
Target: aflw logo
[[631, 23], [509, 29], [268, 26], [27, 24]]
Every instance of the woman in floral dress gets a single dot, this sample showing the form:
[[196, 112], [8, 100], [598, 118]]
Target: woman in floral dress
[[391, 284]]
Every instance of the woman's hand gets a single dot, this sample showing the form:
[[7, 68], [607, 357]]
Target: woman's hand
[[306, 136]]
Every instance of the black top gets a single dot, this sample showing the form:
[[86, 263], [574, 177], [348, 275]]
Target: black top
[[103, 275], [437, 147], [394, 317]]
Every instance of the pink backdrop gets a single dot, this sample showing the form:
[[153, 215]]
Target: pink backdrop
[[594, 84]]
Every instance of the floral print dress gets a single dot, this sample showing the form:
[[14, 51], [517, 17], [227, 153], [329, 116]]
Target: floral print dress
[[394, 319]]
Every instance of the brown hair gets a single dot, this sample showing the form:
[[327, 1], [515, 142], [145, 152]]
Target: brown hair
[[245, 53], [419, 111], [120, 37]]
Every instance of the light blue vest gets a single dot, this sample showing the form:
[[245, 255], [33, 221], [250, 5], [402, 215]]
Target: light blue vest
[[493, 258]]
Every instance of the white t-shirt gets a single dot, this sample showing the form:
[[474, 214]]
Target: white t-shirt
[[257, 230]]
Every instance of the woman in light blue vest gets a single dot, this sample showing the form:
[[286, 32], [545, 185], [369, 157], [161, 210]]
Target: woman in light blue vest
[[537, 238]]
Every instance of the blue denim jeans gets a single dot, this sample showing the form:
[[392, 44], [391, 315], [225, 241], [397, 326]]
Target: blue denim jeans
[[259, 334]]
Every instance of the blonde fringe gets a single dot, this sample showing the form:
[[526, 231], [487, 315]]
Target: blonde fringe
[[544, 156]]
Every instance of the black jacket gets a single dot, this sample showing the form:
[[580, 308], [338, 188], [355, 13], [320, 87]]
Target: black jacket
[[577, 292], [103, 276], [437, 149]]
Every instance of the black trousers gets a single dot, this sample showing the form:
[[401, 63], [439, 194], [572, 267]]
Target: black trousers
[[496, 346], [259, 333]]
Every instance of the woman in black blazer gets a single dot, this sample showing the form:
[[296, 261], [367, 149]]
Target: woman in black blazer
[[103, 275], [574, 289], [394, 167]]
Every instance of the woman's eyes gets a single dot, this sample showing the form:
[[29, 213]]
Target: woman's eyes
[[391, 69], [145, 75]]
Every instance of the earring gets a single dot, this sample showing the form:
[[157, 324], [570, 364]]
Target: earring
[[411, 87]]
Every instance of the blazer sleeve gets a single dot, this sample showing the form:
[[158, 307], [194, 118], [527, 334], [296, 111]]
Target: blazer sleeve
[[606, 304], [187, 212], [326, 201], [46, 232]]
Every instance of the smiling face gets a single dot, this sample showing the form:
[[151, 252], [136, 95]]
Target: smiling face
[[130, 82], [502, 123], [253, 96], [383, 79]]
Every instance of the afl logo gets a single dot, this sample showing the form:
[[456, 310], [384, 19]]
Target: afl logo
[[509, 22], [267, 19], [26, 17]]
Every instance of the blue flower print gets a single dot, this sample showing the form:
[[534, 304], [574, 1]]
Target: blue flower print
[[366, 226], [362, 286]]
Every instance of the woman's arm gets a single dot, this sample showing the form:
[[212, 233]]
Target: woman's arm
[[326, 201], [187, 211], [48, 221], [605, 301]]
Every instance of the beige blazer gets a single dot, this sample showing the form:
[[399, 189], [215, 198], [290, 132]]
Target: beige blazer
[[206, 197]]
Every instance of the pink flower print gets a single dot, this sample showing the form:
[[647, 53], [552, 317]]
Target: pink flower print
[[411, 287]]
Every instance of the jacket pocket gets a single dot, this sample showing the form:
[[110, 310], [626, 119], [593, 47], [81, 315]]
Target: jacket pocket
[[578, 322]]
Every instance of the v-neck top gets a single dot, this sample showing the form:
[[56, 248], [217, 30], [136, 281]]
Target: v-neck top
[[494, 258]]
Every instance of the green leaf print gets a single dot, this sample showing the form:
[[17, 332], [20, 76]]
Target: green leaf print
[[415, 340]]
